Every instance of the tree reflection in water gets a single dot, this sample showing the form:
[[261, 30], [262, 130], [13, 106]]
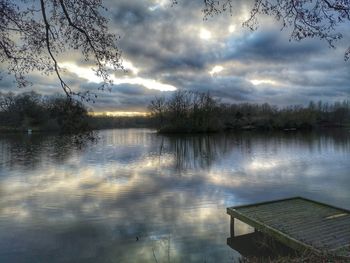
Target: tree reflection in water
[[30, 150], [193, 152]]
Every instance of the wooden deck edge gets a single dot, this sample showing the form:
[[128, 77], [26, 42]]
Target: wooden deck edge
[[266, 202], [325, 204], [278, 235], [287, 199]]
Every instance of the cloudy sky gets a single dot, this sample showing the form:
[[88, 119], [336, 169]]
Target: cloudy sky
[[168, 48]]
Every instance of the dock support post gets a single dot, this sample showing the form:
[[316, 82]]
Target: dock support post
[[232, 227]]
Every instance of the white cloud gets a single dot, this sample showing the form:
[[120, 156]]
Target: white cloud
[[90, 76], [216, 69]]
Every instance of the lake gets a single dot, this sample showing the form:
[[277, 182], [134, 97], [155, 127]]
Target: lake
[[136, 196]]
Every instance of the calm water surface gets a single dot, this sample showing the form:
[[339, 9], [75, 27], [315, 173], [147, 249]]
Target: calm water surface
[[135, 196]]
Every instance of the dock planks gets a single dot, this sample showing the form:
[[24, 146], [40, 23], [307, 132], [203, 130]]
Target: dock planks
[[300, 223]]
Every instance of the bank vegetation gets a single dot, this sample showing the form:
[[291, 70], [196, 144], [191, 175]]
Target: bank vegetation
[[35, 112]]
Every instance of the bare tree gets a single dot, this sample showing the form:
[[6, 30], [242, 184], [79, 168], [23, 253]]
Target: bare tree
[[34, 33], [157, 108], [307, 18]]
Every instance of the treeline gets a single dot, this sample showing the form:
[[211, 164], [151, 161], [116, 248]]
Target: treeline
[[186, 112], [33, 111], [200, 112]]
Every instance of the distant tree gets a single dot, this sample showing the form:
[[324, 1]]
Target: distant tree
[[306, 18], [157, 108], [33, 33], [187, 111]]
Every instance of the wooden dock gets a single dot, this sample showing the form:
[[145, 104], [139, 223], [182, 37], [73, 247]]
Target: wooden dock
[[299, 223]]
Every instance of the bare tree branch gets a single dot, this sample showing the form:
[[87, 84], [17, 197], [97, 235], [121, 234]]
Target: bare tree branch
[[33, 35], [64, 86], [306, 18]]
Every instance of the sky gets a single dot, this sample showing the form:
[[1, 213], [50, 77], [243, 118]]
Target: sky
[[167, 48]]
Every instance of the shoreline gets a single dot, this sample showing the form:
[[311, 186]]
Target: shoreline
[[10, 130]]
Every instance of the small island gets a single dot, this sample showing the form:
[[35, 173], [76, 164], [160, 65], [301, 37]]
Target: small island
[[195, 112]]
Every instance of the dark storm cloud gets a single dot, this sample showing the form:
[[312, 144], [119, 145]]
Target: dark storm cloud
[[271, 46], [45, 85], [231, 89], [128, 15], [160, 39]]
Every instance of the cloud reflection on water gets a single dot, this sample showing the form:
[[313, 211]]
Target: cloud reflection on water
[[91, 203]]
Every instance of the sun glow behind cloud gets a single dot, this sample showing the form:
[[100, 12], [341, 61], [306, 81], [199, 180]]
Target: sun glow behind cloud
[[232, 28], [256, 82], [130, 67], [216, 69], [89, 75], [205, 34]]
